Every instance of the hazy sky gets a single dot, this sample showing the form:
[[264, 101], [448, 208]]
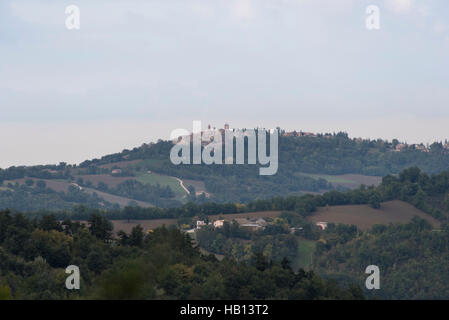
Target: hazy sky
[[136, 70]]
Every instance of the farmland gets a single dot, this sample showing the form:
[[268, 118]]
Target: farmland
[[155, 223], [248, 215], [145, 224], [107, 179], [121, 201], [364, 217], [60, 185], [163, 180], [199, 186], [120, 164], [304, 259]]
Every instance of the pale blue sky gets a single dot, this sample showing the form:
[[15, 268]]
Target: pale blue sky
[[139, 69]]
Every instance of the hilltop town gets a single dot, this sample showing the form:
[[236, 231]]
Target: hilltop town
[[394, 145]]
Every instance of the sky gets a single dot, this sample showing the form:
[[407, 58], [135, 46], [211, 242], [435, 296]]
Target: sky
[[138, 69]]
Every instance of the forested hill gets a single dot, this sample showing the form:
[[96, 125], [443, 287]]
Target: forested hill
[[427, 193], [145, 176], [160, 265], [412, 257], [333, 154]]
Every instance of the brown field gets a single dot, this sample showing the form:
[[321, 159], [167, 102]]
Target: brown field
[[119, 164], [198, 185], [248, 215], [364, 217], [122, 201], [146, 224]]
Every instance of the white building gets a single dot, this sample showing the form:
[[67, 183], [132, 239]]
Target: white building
[[200, 223], [322, 225], [218, 223]]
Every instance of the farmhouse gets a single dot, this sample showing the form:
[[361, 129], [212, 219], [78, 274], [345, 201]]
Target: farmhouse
[[253, 225], [199, 193], [400, 147], [76, 186], [261, 222], [200, 223], [294, 229], [218, 223], [322, 225]]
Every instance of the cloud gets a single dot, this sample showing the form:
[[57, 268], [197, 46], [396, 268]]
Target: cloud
[[242, 9], [401, 6], [45, 13], [440, 27]]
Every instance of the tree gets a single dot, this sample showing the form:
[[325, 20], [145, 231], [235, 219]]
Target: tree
[[5, 292], [124, 239], [49, 222], [259, 261], [96, 260], [285, 264], [136, 236], [41, 184], [446, 201], [102, 186], [374, 201], [100, 227]]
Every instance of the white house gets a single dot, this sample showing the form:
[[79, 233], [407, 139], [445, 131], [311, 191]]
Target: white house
[[322, 225], [200, 223], [218, 223]]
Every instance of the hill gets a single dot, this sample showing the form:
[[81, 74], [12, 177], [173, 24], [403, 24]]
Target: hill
[[413, 259], [411, 254], [145, 176]]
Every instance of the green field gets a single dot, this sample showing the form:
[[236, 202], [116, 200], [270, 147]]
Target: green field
[[304, 259], [154, 179]]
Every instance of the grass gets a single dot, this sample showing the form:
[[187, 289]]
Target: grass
[[162, 180], [304, 259]]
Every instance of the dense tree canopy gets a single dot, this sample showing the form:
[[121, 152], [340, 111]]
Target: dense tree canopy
[[161, 265]]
